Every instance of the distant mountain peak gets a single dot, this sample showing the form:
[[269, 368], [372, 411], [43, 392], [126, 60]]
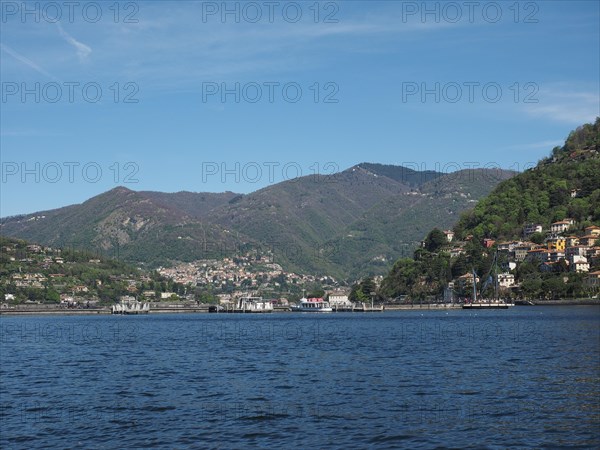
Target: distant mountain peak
[[361, 168], [120, 190], [400, 174]]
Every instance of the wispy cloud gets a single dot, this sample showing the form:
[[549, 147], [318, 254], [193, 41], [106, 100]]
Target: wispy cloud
[[171, 49], [566, 104], [26, 61], [83, 51]]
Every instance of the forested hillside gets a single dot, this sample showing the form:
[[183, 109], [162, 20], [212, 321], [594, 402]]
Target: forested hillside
[[556, 262], [567, 184]]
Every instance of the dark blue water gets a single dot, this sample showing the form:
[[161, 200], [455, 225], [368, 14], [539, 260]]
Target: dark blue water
[[526, 377]]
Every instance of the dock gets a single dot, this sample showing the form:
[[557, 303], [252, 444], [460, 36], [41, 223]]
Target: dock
[[40, 310], [427, 306], [358, 308]]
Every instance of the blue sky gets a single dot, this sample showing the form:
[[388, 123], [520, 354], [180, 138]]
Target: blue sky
[[511, 81]]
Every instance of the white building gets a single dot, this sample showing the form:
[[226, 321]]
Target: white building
[[508, 246], [577, 250], [561, 226], [579, 264], [532, 228], [506, 280], [339, 299], [456, 252]]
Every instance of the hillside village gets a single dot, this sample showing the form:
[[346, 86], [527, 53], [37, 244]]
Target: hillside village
[[560, 249], [230, 278], [32, 273]]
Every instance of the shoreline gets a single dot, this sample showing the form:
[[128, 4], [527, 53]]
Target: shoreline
[[51, 311], [580, 302]]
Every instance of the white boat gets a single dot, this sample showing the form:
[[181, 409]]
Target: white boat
[[312, 305], [487, 304], [132, 307], [253, 304]]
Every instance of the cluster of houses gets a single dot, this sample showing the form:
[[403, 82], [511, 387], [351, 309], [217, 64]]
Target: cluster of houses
[[28, 280], [243, 273], [39, 268], [579, 253], [557, 253], [49, 256]]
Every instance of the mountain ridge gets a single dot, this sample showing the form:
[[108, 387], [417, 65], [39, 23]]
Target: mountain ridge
[[303, 221]]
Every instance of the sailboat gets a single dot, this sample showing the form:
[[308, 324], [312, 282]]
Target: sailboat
[[490, 303]]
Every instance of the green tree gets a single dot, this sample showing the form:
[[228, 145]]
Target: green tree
[[460, 266], [537, 238], [316, 293], [531, 287], [52, 296], [400, 279], [435, 240], [554, 287], [361, 292]]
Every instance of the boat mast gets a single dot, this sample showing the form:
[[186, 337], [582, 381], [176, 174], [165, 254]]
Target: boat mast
[[496, 275], [474, 286]]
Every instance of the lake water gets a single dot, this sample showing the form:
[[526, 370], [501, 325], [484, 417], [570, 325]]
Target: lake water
[[524, 377]]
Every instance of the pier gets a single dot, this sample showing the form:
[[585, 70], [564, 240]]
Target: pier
[[432, 306], [358, 308]]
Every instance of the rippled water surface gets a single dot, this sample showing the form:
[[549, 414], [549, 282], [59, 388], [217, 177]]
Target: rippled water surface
[[526, 377]]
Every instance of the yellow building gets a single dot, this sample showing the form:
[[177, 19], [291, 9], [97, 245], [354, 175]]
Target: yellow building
[[557, 243]]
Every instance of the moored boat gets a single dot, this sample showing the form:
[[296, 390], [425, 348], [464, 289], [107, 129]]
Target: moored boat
[[483, 303], [132, 307], [249, 304], [312, 305], [487, 304]]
